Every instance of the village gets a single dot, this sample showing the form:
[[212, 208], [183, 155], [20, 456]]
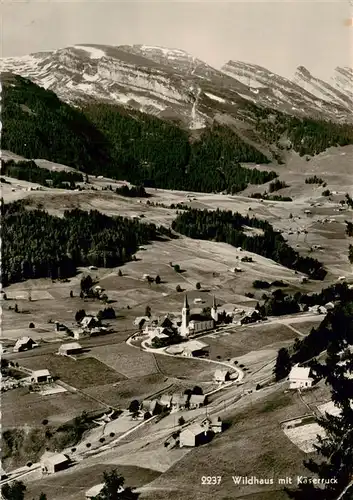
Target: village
[[166, 363]]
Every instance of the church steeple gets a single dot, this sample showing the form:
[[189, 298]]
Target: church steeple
[[214, 312], [185, 316]]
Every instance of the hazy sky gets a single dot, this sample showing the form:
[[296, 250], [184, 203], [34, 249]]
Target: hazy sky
[[278, 35]]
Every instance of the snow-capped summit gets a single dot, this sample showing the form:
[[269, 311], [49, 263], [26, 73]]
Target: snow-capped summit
[[171, 83]]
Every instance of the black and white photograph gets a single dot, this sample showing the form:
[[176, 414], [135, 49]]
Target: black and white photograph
[[176, 250]]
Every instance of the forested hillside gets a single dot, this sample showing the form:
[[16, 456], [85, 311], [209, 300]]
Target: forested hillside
[[304, 135], [36, 244], [145, 150], [36, 124], [227, 227]]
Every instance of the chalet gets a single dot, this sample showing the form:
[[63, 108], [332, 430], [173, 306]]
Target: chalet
[[197, 400], [221, 376], [192, 436], [299, 377], [94, 492], [59, 327], [24, 344], [53, 462], [140, 321], [194, 348], [151, 406], [90, 322], [70, 349], [165, 401], [41, 376], [216, 425], [179, 401], [79, 333], [164, 322]]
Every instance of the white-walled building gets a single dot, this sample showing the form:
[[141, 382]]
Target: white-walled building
[[196, 323], [41, 376], [299, 377]]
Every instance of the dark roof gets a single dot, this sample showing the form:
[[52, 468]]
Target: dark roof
[[199, 317]]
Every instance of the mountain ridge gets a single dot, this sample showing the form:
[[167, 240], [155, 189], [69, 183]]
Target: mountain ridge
[[173, 84]]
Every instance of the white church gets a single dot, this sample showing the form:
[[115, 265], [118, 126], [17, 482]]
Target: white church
[[196, 323]]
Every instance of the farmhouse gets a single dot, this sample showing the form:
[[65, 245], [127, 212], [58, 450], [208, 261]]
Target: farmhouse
[[213, 424], [41, 376], [53, 462], [151, 406], [194, 348], [179, 401], [24, 344], [90, 322], [221, 376], [192, 436], [197, 400], [96, 490], [69, 349], [165, 401], [196, 323], [299, 377]]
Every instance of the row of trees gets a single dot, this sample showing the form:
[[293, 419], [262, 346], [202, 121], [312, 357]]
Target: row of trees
[[37, 244], [132, 192], [227, 227]]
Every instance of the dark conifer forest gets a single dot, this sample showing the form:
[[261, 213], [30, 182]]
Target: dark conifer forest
[[36, 244], [110, 140], [228, 227]]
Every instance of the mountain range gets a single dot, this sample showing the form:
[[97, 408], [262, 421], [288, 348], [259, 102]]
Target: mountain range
[[172, 84]]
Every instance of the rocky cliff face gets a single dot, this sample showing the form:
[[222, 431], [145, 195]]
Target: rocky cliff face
[[304, 95], [173, 84]]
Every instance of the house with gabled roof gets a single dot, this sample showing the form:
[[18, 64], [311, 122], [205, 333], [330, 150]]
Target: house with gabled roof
[[165, 400], [299, 377], [24, 344], [179, 401], [221, 376], [197, 400], [70, 349], [193, 435], [151, 406], [54, 462], [41, 376]]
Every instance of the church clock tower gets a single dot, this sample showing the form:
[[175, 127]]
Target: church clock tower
[[185, 317]]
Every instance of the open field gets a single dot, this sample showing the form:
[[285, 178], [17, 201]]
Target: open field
[[72, 484], [192, 370], [20, 408], [122, 393], [81, 373], [129, 361], [238, 341]]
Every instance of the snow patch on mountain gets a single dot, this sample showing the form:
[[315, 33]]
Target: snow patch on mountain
[[93, 51], [214, 97]]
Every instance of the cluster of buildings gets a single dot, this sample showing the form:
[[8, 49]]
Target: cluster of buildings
[[190, 324], [173, 402]]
